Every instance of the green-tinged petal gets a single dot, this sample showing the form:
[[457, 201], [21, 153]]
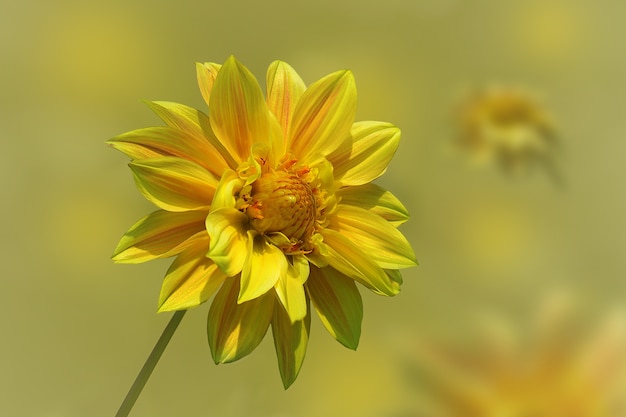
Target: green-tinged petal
[[373, 146], [234, 329], [206, 74], [191, 279], [375, 236], [338, 303], [159, 235], [174, 184], [290, 288], [237, 110], [395, 275], [284, 89], [228, 246], [263, 267], [153, 142], [229, 185], [376, 200], [345, 256], [290, 341], [323, 116], [194, 122]]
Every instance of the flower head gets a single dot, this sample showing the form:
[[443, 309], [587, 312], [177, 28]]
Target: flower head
[[268, 204], [507, 125]]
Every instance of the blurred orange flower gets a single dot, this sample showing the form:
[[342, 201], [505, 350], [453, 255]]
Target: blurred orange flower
[[559, 371]]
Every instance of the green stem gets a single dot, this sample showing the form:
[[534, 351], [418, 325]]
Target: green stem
[[150, 364]]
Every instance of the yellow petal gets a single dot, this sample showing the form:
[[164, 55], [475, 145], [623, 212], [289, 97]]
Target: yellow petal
[[323, 116], [228, 246], [149, 142], [195, 123], [229, 185], [376, 200], [284, 89], [373, 146], [290, 288], [234, 329], [237, 110], [290, 341], [159, 235], [376, 237], [153, 142], [174, 184], [346, 257], [263, 267], [206, 74], [191, 279], [338, 304]]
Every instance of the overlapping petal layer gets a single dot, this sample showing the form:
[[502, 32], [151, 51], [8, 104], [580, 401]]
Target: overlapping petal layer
[[158, 235], [323, 116], [377, 200], [338, 303], [174, 184], [235, 329], [191, 279], [378, 238]]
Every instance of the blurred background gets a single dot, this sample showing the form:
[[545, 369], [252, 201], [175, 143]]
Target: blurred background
[[491, 244]]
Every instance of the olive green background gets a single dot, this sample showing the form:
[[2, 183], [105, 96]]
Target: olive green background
[[76, 328]]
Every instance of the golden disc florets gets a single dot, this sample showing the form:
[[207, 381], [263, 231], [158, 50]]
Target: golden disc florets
[[281, 202]]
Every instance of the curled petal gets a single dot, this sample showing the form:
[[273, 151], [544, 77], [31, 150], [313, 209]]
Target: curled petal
[[376, 200], [237, 110], [174, 184], [323, 116], [373, 145], [159, 235], [383, 243], [284, 89], [290, 341], [195, 123], [229, 185], [263, 267], [338, 304], [234, 329], [290, 288], [206, 74], [228, 245], [191, 279], [345, 256]]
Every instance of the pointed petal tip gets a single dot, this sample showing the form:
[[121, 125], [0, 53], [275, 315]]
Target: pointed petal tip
[[287, 382], [353, 346], [163, 307], [119, 258], [347, 75], [231, 60]]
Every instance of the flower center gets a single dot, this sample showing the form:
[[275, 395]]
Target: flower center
[[281, 202]]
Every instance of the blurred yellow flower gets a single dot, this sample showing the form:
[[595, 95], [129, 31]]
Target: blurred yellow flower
[[507, 125], [559, 371], [267, 202]]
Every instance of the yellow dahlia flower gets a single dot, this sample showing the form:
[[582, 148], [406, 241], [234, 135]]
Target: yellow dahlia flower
[[507, 125], [267, 202]]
